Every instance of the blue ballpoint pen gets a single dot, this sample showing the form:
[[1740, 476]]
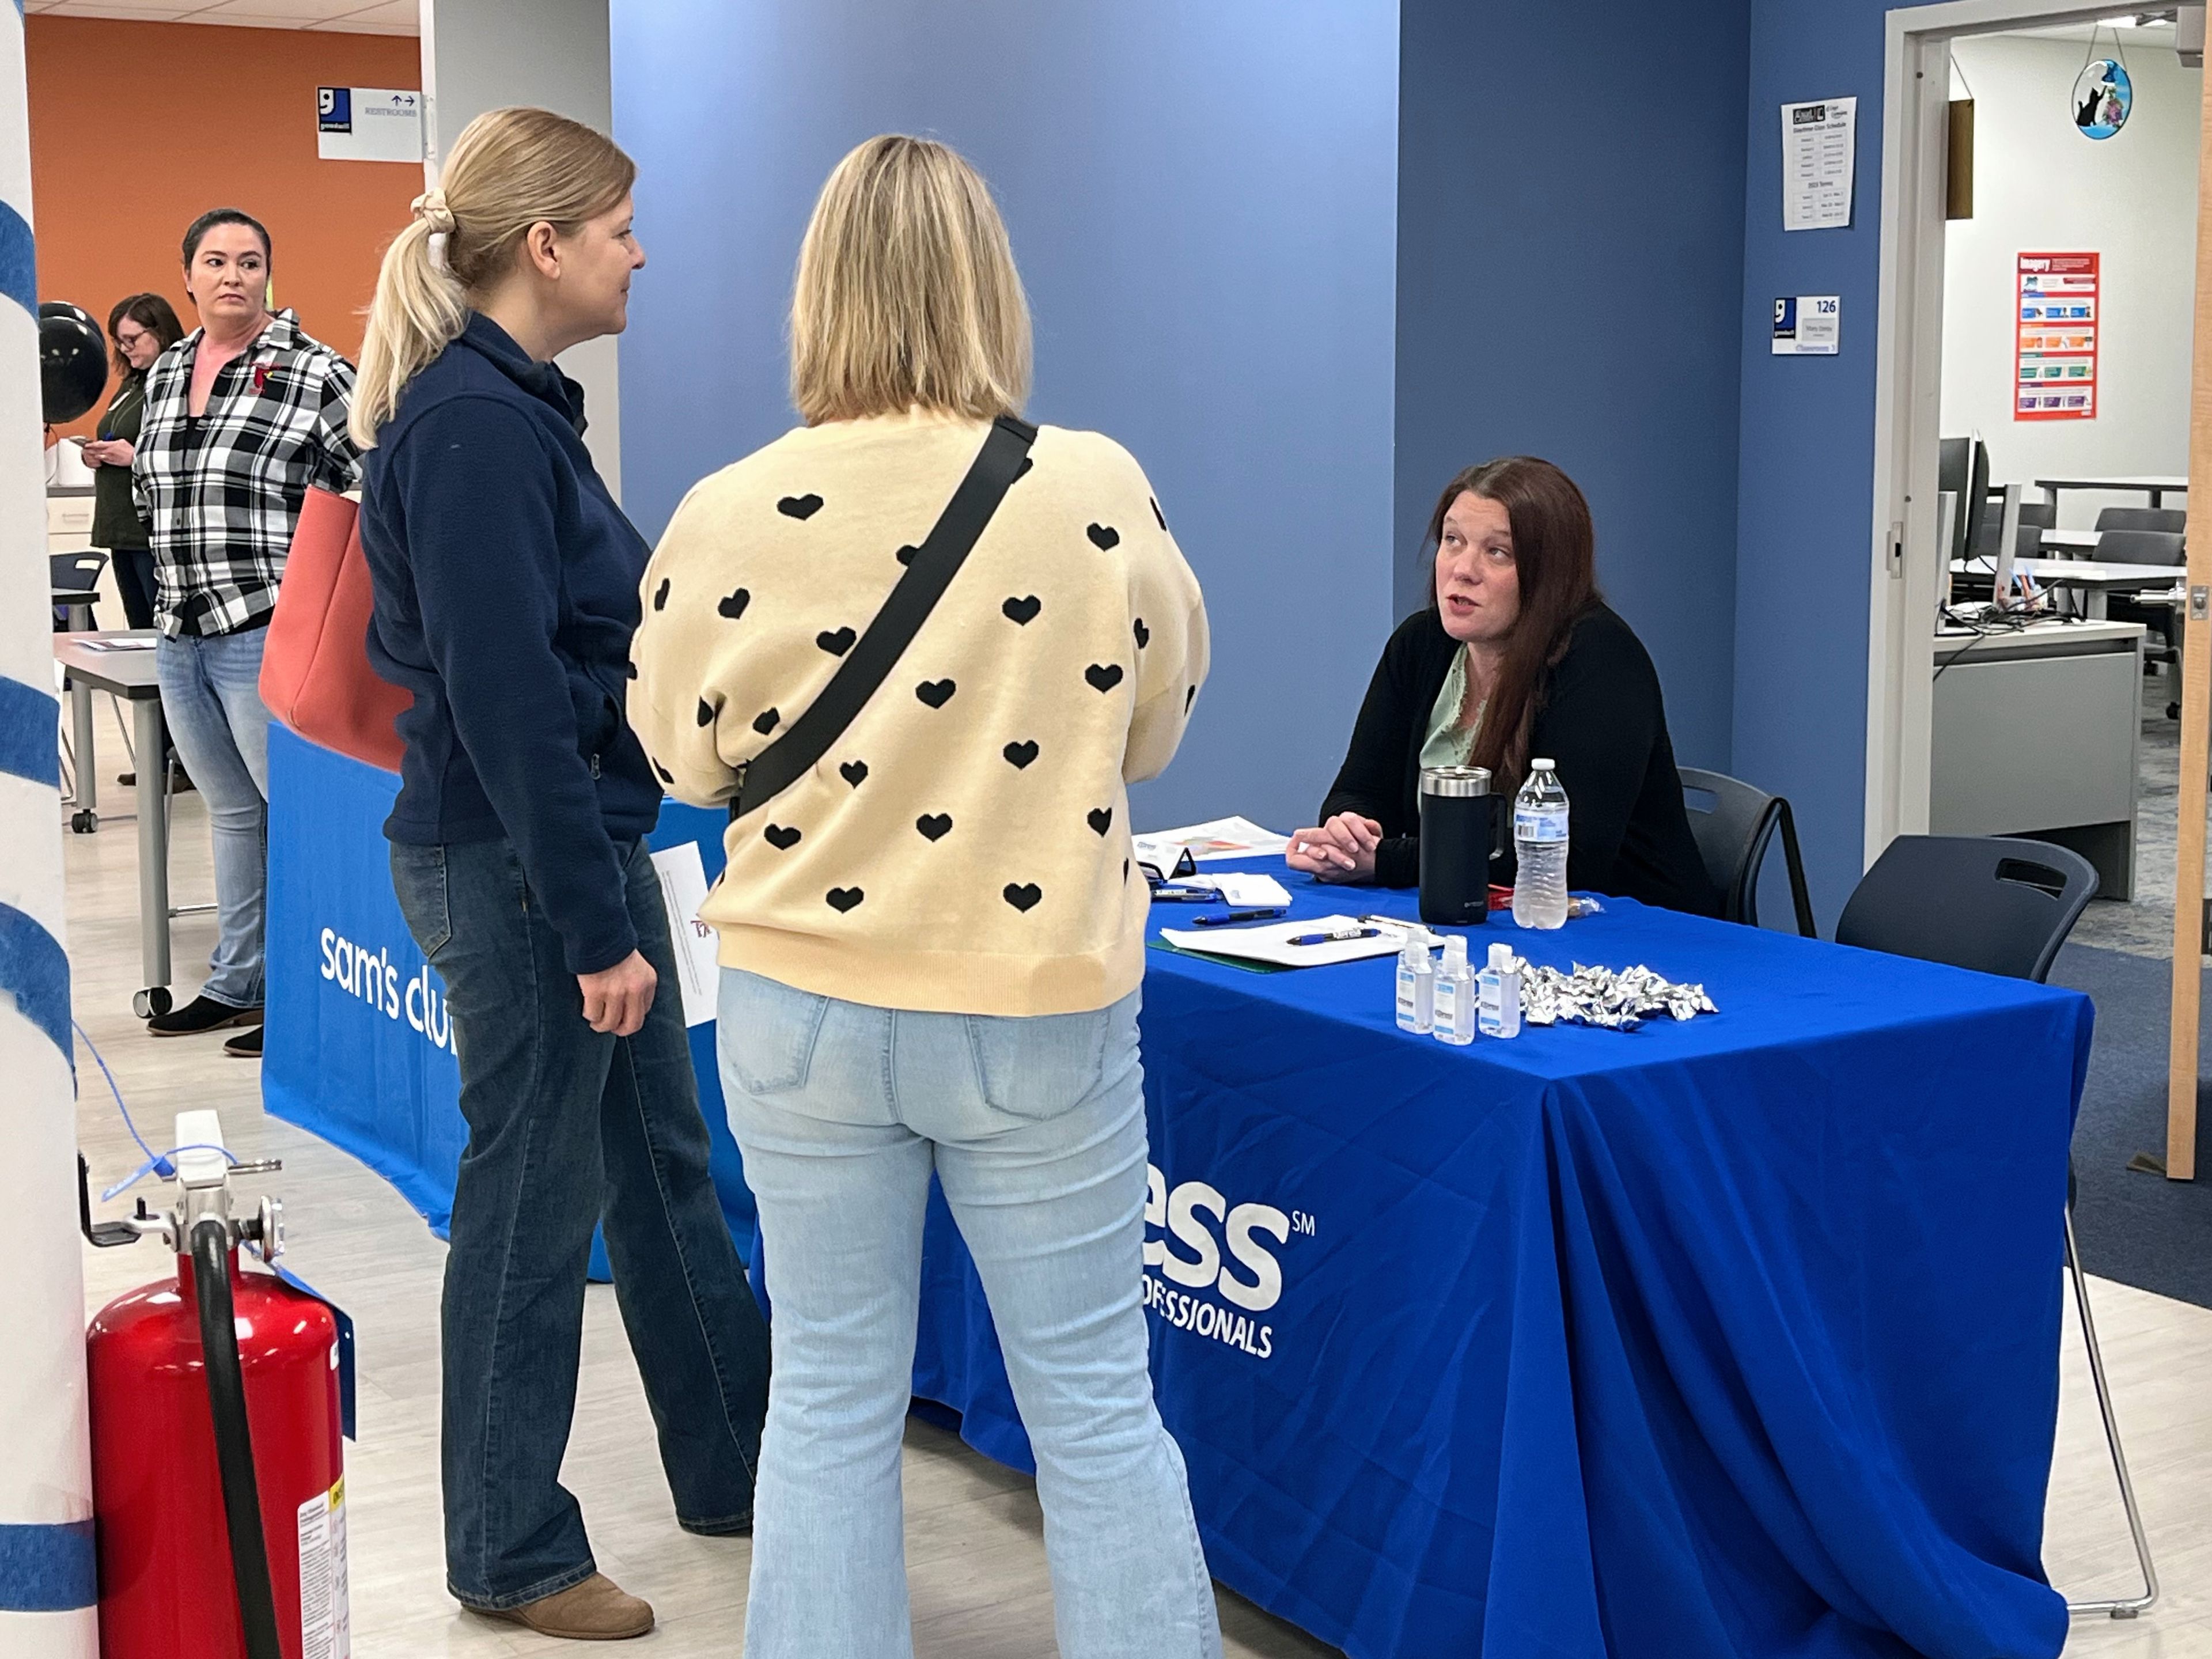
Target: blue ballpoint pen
[[1343, 936]]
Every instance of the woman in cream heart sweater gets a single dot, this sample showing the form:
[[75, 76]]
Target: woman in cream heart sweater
[[932, 941]]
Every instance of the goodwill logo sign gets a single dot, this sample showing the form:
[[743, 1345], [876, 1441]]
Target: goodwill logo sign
[[369, 124]]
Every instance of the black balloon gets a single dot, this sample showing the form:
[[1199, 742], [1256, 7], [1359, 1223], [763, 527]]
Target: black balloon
[[72, 361]]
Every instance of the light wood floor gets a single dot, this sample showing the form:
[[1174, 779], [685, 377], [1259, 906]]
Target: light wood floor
[[975, 1558]]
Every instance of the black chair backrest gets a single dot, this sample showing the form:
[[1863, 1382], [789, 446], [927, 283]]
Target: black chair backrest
[[77, 573], [2139, 547], [2172, 519], [1733, 834], [2035, 518], [1989, 902]]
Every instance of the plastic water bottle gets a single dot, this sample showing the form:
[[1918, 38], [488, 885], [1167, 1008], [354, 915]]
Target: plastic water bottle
[[1540, 843]]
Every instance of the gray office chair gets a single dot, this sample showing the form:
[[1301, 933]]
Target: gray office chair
[[75, 572], [2000, 906], [2140, 547], [2125, 546], [2035, 518], [1733, 834], [2173, 519]]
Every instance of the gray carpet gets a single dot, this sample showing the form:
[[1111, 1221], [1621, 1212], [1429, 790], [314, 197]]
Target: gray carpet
[[2138, 1228]]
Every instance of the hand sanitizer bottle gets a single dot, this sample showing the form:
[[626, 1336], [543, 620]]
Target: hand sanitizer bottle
[[1455, 1009], [1417, 988], [1498, 989]]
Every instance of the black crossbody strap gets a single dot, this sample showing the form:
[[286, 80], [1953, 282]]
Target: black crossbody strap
[[931, 571]]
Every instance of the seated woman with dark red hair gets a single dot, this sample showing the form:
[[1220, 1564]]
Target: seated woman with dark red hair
[[1516, 655]]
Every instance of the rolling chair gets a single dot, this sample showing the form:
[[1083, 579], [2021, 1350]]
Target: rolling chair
[[2172, 519], [1998, 905], [73, 573], [2035, 518], [1733, 835], [2123, 546], [2121, 543]]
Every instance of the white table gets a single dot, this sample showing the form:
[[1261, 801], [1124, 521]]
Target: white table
[[2072, 543], [2095, 580], [2157, 486], [93, 664]]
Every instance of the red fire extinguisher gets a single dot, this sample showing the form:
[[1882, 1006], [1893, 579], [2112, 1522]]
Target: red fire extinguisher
[[218, 1464]]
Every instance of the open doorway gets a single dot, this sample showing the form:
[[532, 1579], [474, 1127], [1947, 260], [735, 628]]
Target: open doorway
[[2038, 257]]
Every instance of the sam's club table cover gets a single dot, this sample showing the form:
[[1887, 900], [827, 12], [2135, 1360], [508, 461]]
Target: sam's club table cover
[[1734, 1337]]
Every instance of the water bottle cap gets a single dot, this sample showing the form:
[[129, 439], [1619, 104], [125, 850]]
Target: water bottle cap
[[1540, 766]]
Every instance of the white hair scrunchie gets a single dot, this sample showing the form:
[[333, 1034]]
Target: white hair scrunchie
[[430, 208]]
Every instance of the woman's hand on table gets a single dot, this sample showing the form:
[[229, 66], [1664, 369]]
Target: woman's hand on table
[[1342, 849]]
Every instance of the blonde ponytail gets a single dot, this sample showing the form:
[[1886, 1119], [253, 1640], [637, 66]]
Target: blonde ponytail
[[510, 169]]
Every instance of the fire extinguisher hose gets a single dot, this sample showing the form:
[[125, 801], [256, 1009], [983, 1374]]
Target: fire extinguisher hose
[[234, 1438]]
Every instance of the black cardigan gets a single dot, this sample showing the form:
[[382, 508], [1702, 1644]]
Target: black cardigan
[[1599, 716]]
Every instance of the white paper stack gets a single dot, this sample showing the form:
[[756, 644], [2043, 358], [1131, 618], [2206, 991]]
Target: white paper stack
[[1272, 941], [1216, 838], [1244, 891]]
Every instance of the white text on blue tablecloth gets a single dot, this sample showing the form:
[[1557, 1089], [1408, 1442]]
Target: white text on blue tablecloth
[[374, 977], [1189, 1213]]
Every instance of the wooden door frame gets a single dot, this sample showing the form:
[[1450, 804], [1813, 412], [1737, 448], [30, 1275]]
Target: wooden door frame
[[1904, 564], [2181, 1057]]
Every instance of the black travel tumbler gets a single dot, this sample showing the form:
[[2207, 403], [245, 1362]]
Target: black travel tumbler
[[1462, 830]]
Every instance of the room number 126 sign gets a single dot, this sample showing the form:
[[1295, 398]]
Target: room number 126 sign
[[1809, 326]]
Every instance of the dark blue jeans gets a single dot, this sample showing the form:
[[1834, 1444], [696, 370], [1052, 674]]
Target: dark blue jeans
[[568, 1127]]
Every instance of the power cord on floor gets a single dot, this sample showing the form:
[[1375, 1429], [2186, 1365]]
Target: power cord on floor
[[157, 1163]]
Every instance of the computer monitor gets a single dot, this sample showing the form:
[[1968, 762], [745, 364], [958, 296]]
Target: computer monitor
[[2008, 544], [1962, 468]]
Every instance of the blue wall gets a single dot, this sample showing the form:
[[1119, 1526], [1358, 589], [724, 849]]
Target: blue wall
[[1805, 523], [1571, 200], [1202, 202]]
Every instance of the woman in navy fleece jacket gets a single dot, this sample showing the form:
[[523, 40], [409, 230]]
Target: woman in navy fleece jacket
[[506, 582]]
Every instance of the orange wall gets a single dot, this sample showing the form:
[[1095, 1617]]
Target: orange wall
[[138, 128]]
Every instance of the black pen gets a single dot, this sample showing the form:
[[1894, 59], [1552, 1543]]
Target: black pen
[[1268, 914], [1343, 936]]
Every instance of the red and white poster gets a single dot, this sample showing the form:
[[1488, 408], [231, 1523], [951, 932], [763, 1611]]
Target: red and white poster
[[2055, 372]]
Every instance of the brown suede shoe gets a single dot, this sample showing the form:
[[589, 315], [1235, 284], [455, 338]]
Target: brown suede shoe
[[596, 1610]]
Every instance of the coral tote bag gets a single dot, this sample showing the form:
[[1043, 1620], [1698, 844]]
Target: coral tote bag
[[315, 675]]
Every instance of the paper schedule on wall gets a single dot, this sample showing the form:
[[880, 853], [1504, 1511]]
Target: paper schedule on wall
[[1818, 144], [2055, 323]]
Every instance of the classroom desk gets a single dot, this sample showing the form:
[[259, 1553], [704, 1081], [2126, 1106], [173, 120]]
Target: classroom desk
[[2035, 732], [2072, 543], [2157, 486], [129, 674], [2094, 581]]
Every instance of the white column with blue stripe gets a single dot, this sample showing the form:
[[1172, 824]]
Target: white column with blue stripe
[[47, 1582]]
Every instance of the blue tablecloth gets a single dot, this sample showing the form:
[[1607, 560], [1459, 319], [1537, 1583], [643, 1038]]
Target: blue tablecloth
[[1733, 1337], [359, 1049]]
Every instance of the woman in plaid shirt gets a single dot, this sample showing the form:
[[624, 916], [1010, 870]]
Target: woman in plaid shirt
[[243, 415]]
